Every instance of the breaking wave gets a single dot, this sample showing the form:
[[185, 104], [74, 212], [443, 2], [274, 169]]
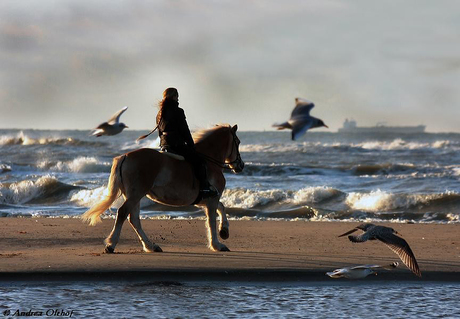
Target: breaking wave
[[324, 203], [45, 189], [394, 145], [251, 199], [80, 164], [23, 139]]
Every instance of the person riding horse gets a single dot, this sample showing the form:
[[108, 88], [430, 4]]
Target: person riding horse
[[175, 137]]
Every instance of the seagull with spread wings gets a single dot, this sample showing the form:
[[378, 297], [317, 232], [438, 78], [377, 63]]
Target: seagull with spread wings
[[301, 121], [387, 235], [112, 126]]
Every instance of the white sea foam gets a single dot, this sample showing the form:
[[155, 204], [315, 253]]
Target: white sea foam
[[22, 139], [376, 201], [89, 197], [80, 164], [145, 143], [247, 198], [396, 144], [456, 171], [24, 191]]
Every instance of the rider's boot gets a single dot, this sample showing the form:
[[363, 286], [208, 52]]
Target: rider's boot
[[206, 189]]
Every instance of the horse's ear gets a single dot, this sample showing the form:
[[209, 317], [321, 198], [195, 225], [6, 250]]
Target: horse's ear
[[234, 128]]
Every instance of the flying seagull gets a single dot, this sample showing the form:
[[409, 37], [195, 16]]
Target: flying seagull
[[358, 272], [387, 235], [300, 121], [112, 126]]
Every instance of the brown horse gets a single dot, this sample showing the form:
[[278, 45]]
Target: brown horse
[[168, 180]]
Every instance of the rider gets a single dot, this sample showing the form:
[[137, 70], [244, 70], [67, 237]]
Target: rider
[[175, 137]]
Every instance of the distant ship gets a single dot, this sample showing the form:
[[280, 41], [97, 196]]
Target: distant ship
[[349, 126]]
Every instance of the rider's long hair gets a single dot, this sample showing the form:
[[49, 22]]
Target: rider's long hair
[[170, 98]]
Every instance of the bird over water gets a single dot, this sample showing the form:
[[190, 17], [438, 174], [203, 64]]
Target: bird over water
[[300, 121], [387, 235], [358, 272], [112, 126]]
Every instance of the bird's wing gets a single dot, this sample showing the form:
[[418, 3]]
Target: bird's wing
[[401, 248], [349, 232], [366, 266], [302, 108], [359, 238], [281, 126], [300, 129], [116, 117], [103, 125]]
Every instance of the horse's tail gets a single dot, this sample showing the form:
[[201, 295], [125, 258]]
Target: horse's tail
[[93, 214]]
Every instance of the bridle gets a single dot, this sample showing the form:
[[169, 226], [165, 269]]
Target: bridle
[[238, 161]]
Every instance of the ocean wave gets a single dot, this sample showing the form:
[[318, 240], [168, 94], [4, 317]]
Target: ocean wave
[[397, 144], [378, 201], [327, 204], [284, 169], [405, 169], [4, 168], [455, 170], [80, 164], [45, 189], [247, 198], [146, 143], [385, 168], [23, 139], [90, 197]]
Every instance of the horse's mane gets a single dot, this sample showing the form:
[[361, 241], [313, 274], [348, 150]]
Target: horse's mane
[[202, 134]]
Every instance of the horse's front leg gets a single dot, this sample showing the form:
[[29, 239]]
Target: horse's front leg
[[211, 216], [224, 232]]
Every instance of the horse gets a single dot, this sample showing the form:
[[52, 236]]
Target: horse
[[169, 180]]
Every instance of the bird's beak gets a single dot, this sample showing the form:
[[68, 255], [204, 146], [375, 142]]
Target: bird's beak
[[326, 126]]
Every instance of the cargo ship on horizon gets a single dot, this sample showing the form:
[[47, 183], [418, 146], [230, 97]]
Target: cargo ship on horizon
[[349, 126]]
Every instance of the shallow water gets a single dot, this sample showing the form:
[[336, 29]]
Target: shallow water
[[335, 299]]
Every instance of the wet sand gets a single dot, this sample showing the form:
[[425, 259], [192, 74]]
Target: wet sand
[[57, 248]]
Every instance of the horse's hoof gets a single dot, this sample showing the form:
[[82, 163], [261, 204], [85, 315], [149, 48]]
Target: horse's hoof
[[109, 250], [225, 248], [224, 233], [153, 249]]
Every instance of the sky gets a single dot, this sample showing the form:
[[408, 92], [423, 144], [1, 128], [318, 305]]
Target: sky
[[70, 64]]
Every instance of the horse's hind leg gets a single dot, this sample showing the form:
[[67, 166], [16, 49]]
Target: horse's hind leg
[[135, 222], [224, 225], [112, 240], [211, 215]]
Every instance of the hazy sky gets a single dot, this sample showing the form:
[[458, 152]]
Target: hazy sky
[[71, 64]]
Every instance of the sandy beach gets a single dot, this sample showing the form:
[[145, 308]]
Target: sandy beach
[[260, 250]]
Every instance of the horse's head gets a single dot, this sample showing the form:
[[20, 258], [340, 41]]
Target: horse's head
[[220, 146], [233, 159]]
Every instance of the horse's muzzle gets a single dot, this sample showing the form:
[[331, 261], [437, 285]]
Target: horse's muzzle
[[238, 168]]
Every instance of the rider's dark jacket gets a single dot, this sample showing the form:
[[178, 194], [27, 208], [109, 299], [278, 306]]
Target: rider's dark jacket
[[172, 127]]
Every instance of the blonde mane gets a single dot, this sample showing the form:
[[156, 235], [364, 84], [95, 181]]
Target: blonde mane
[[200, 135]]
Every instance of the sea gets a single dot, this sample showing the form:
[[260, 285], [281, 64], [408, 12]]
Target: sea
[[323, 176]]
